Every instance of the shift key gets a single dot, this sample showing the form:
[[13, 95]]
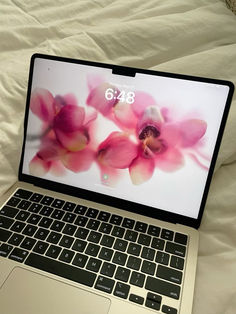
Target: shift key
[[162, 287]]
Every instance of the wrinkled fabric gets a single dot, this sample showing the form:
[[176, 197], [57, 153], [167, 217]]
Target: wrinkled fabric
[[194, 37]]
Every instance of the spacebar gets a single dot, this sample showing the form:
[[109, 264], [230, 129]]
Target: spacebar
[[60, 269]]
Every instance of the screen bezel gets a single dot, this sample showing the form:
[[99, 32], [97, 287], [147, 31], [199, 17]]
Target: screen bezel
[[112, 201]]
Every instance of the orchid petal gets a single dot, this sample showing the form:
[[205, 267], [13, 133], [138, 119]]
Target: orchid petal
[[141, 170], [73, 141], [142, 101], [171, 160], [94, 80], [57, 168], [97, 99], [125, 115], [41, 104], [117, 151], [151, 117], [192, 131], [171, 134], [78, 161], [69, 119], [50, 150], [39, 167]]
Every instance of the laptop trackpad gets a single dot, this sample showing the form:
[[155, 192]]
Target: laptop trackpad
[[28, 292]]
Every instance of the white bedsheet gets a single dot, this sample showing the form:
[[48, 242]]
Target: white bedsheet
[[196, 37]]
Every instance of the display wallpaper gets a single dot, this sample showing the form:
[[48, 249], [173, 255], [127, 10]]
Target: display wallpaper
[[123, 136]]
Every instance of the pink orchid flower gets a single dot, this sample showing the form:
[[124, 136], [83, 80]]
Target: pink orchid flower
[[65, 137]]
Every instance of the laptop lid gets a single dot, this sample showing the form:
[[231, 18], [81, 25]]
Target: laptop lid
[[140, 140]]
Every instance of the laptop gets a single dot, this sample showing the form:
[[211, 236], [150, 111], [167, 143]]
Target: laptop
[[115, 170]]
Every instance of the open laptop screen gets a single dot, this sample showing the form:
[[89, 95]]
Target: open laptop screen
[[148, 139]]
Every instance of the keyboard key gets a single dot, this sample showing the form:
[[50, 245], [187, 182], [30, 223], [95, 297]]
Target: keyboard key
[[167, 234], [118, 232], [104, 216], [13, 201], [176, 249], [177, 262], [57, 225], [93, 264], [144, 239], [66, 256], [107, 241], [162, 287], [46, 211], [58, 203], [116, 220], [92, 249], [41, 233], [47, 200], [80, 210], [140, 227], [131, 235], [82, 233], [92, 213], [94, 237], [162, 258], [45, 222], [122, 274], [40, 247], [53, 251], [34, 219], [106, 254], [69, 217], [58, 214], [154, 297], [18, 226], [168, 310], [148, 253], [28, 243], [5, 249], [108, 269], [152, 304], [79, 245], [181, 238], [9, 211], [22, 215], [69, 206], [23, 194], [36, 197], [136, 299], [66, 241], [128, 223], [154, 231], [15, 239], [119, 258], [120, 245], [157, 244], [81, 221], [104, 284], [24, 204], [69, 229], [134, 262], [137, 279], [134, 249], [54, 237], [93, 224], [80, 260], [35, 208], [18, 255], [169, 274], [121, 290], [61, 269], [5, 222], [4, 235], [105, 228], [148, 268], [29, 230]]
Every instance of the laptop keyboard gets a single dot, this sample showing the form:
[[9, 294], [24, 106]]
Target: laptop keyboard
[[94, 248]]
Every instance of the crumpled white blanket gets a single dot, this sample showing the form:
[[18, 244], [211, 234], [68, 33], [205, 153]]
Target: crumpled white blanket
[[196, 37]]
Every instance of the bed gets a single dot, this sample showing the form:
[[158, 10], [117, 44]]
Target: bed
[[194, 37]]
